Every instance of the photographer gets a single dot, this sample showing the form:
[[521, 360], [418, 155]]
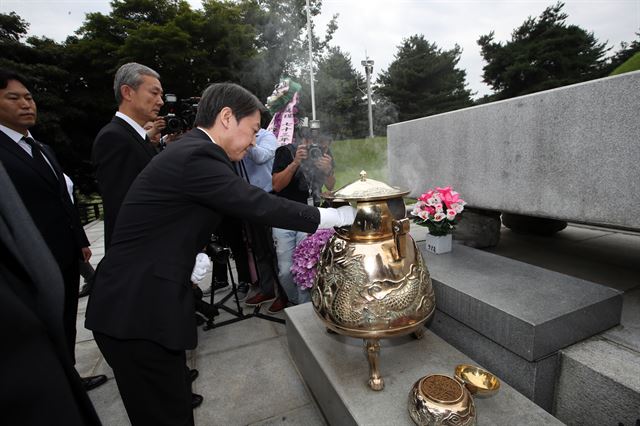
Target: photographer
[[299, 173], [155, 131]]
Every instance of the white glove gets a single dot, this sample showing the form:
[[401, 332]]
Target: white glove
[[342, 216], [200, 269]]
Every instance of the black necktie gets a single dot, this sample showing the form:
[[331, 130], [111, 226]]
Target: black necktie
[[38, 158]]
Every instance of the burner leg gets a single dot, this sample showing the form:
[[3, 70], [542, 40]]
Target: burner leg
[[372, 349]]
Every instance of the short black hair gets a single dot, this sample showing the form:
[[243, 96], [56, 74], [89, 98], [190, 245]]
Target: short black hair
[[220, 95], [8, 75]]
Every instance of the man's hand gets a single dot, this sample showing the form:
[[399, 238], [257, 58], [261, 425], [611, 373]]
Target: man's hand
[[156, 129], [86, 254], [301, 154], [324, 164]]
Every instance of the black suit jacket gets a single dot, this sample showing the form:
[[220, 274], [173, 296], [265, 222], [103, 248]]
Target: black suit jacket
[[47, 201], [142, 288], [39, 384], [119, 155]]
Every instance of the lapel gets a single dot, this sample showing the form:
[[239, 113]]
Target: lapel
[[20, 154], [146, 146]]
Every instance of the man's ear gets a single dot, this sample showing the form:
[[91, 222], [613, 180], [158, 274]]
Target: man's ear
[[225, 117], [126, 92]]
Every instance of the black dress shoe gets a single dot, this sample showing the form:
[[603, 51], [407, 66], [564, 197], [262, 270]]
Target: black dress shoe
[[196, 400], [193, 374], [93, 382]]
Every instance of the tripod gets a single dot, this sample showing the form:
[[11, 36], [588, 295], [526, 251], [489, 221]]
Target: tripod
[[238, 312]]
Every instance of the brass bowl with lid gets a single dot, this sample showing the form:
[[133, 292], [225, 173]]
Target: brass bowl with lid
[[372, 281], [439, 400]]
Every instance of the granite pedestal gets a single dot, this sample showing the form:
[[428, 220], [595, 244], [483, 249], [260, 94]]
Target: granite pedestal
[[335, 369], [514, 317]]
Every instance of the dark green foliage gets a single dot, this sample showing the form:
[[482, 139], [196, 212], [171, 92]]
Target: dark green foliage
[[543, 53], [340, 103], [423, 80]]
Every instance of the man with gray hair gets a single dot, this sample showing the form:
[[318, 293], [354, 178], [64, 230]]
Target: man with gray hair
[[122, 149]]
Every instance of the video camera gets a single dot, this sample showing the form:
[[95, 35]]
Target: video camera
[[180, 113]]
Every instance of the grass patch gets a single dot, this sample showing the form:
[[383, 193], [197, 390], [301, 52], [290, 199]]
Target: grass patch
[[631, 64], [353, 155]]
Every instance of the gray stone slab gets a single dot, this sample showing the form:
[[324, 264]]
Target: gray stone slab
[[307, 416], [627, 334], [335, 369], [531, 311], [108, 404], [246, 385], [599, 385], [605, 258], [237, 335], [549, 154], [535, 380]]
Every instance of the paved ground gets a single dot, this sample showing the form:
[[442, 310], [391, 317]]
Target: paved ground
[[246, 374], [248, 378]]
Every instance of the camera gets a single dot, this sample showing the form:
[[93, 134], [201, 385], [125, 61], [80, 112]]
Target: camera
[[314, 151], [180, 113]]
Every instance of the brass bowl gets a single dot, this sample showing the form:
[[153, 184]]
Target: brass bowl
[[478, 381], [438, 400]]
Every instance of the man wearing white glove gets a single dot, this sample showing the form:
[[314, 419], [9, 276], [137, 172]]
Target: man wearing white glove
[[168, 215]]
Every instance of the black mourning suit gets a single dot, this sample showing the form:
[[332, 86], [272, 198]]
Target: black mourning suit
[[39, 384], [47, 201], [142, 291], [119, 155]]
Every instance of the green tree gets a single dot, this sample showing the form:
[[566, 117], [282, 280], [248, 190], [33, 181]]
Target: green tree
[[627, 50], [423, 80], [543, 53], [281, 42], [340, 106]]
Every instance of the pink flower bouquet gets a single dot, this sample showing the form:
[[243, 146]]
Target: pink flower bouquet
[[439, 210], [306, 256]]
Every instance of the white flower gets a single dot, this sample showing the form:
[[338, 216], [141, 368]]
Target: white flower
[[451, 214], [423, 214], [439, 217]]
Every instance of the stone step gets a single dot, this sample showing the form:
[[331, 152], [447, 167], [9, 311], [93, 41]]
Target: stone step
[[530, 311], [599, 379], [599, 384], [335, 369], [514, 317]]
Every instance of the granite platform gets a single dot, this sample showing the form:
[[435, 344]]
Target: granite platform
[[514, 318], [530, 311], [335, 369]]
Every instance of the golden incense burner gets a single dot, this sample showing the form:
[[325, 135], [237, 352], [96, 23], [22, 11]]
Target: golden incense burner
[[372, 281]]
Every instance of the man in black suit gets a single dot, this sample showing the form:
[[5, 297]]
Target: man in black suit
[[38, 178], [39, 384], [122, 149], [141, 309]]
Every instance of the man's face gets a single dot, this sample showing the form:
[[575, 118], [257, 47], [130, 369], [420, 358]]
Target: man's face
[[242, 135], [17, 107], [146, 100]]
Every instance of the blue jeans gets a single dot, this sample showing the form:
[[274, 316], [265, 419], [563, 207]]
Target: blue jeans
[[285, 242]]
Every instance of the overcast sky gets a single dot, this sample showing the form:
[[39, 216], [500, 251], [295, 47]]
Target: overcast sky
[[377, 27]]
